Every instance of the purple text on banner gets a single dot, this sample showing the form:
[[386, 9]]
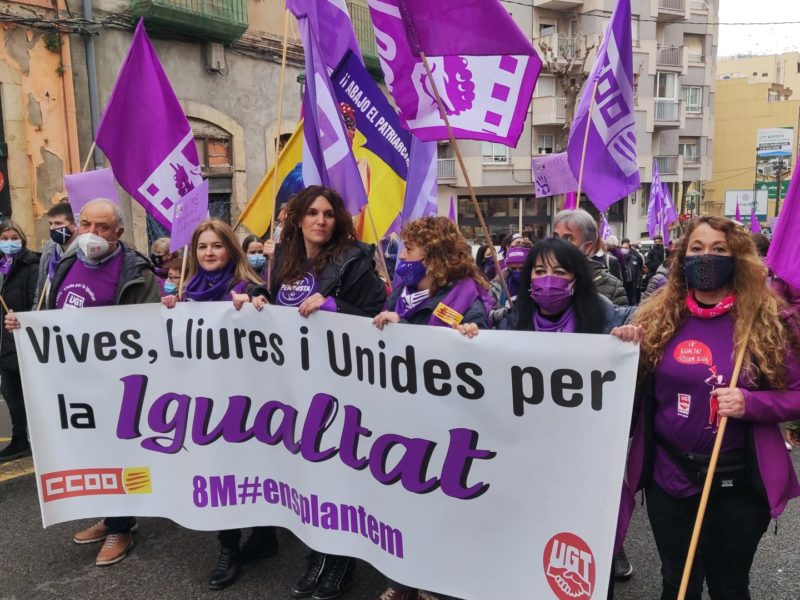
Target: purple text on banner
[[83, 187], [190, 210], [552, 175]]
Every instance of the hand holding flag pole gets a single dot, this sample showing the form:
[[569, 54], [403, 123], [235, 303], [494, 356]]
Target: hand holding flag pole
[[461, 164], [712, 467]]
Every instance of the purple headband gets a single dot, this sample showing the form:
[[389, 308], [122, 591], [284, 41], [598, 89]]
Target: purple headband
[[517, 255]]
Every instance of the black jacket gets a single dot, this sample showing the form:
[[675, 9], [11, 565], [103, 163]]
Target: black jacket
[[19, 292], [608, 285], [350, 279]]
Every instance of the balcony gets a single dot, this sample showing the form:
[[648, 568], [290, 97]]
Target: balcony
[[562, 47], [208, 20], [667, 113], [667, 165], [671, 58], [447, 169], [558, 4], [365, 34], [671, 10], [549, 110]]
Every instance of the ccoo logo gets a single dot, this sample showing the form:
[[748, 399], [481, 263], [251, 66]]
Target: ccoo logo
[[569, 567]]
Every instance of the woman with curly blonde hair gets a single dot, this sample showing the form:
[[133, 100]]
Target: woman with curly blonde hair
[[692, 329], [439, 283]]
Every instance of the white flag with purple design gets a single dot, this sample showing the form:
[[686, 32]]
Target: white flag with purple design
[[484, 67], [611, 170]]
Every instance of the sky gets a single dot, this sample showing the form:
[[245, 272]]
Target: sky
[[758, 39]]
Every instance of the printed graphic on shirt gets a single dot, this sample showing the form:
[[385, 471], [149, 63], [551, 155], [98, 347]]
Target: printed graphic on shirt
[[77, 295], [694, 352], [684, 404], [293, 294]]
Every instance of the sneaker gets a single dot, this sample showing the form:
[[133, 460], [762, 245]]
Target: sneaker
[[97, 533], [227, 570], [310, 579], [17, 448], [393, 594], [337, 576], [115, 548], [623, 569]]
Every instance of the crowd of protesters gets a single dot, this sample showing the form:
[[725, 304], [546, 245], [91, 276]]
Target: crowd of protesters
[[710, 286]]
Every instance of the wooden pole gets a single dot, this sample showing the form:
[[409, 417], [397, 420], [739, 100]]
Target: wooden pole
[[280, 117], [42, 295], [461, 164], [5, 306], [712, 466], [586, 142], [379, 250], [183, 270], [89, 157]]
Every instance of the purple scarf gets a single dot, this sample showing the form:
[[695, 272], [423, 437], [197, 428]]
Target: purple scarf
[[461, 297], [5, 265], [564, 324], [210, 286], [410, 301]]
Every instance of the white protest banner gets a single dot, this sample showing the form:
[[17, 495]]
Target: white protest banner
[[481, 468], [552, 175]]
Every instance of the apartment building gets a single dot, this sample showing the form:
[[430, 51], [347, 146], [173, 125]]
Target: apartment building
[[674, 51]]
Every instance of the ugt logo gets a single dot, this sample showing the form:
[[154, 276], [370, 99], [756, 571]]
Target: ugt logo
[[569, 567]]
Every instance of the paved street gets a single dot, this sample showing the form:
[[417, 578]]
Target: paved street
[[171, 562]]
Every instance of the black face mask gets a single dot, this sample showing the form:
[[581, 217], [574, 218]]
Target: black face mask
[[157, 260], [61, 235], [708, 272]]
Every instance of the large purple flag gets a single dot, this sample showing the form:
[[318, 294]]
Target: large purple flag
[[784, 249], [331, 26], [610, 169], [327, 153], [484, 67], [422, 186], [146, 136], [755, 226]]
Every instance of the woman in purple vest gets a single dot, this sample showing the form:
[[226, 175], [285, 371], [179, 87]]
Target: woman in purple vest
[[219, 271], [693, 327], [438, 283], [319, 264]]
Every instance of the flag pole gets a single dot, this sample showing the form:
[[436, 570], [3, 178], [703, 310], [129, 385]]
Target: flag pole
[[183, 270], [379, 250], [461, 164], [586, 142], [712, 466], [89, 157]]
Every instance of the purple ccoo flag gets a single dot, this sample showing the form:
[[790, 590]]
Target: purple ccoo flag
[[661, 210], [327, 153], [422, 186], [755, 226], [784, 249], [146, 136], [605, 228], [484, 67], [610, 169], [331, 27]]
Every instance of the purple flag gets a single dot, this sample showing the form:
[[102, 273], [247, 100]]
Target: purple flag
[[784, 249], [755, 226], [190, 211], [331, 27], [452, 214], [655, 208], [552, 175], [327, 153], [605, 228], [610, 168], [82, 187], [670, 213], [422, 185], [738, 210], [484, 67], [571, 201], [146, 136]]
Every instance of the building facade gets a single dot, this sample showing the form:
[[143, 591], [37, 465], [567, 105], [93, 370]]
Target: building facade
[[674, 50]]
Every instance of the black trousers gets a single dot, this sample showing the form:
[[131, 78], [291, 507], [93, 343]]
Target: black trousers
[[230, 538], [734, 522], [119, 524], [633, 292], [11, 388]]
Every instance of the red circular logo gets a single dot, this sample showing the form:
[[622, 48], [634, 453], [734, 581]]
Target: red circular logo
[[569, 567], [2, 181]]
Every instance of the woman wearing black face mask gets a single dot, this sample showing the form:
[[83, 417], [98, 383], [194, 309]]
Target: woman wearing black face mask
[[693, 327]]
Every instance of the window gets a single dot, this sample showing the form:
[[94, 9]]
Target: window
[[545, 86], [692, 96], [765, 74], [494, 153], [688, 149], [667, 86], [773, 96], [546, 143], [635, 30], [546, 29], [694, 47]]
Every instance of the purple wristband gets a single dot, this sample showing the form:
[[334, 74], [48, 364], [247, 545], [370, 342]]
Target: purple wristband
[[329, 305]]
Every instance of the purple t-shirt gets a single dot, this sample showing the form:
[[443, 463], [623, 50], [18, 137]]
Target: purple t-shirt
[[86, 286], [293, 294], [698, 359]]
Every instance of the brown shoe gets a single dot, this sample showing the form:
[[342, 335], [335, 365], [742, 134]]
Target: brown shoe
[[393, 594], [96, 533], [115, 548]]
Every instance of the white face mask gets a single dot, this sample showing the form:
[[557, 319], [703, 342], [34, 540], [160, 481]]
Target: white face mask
[[93, 246]]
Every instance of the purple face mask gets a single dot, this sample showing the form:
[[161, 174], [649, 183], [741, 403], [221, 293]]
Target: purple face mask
[[410, 272], [553, 294]]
